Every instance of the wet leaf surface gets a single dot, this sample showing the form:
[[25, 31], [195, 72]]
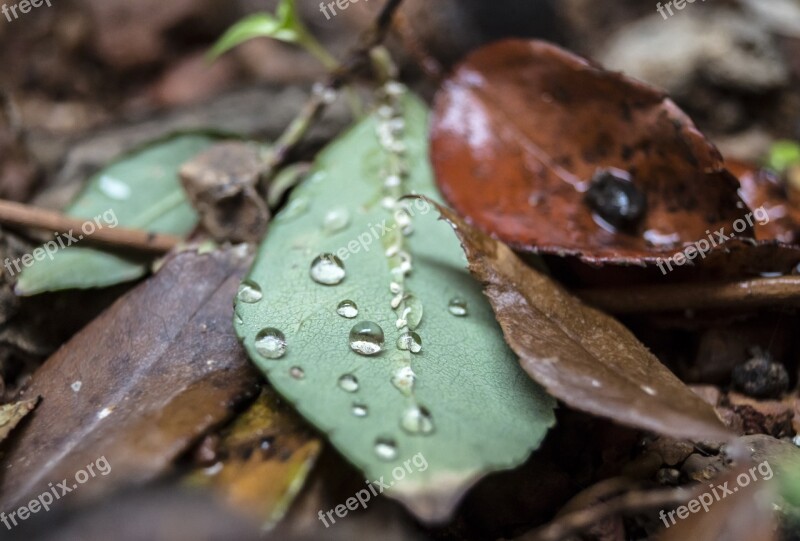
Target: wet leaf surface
[[546, 151], [140, 191], [452, 393], [264, 459], [138, 385], [579, 354]]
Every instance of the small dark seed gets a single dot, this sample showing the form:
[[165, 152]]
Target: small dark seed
[[613, 197], [761, 378]]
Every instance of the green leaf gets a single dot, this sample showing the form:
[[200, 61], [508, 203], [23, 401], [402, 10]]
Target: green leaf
[[141, 191], [255, 26], [286, 26], [783, 155], [486, 414]]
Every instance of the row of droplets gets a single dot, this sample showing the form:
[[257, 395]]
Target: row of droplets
[[366, 337]]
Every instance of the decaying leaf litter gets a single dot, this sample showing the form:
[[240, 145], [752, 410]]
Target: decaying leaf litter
[[376, 338]]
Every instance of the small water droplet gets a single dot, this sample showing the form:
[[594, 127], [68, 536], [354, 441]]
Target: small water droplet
[[649, 390], [294, 209], [386, 449], [403, 379], [360, 410], [327, 269], [271, 343], [348, 383], [394, 287], [596, 384], [366, 338], [348, 309], [410, 341], [76, 386], [336, 220], [114, 188], [297, 373], [417, 420], [249, 292], [458, 307]]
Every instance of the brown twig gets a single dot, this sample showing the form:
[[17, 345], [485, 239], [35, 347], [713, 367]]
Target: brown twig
[[756, 293], [631, 502], [19, 215], [356, 61]]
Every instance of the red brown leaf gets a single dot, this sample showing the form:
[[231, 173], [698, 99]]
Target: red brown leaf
[[522, 127]]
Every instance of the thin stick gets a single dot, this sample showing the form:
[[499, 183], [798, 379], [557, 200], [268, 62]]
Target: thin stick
[[19, 215], [356, 61], [632, 502], [756, 293]]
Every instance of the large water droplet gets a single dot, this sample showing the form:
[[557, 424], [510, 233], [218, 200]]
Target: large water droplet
[[348, 383], [348, 309], [403, 379], [414, 316], [410, 341], [271, 343], [360, 410], [336, 220], [386, 449], [327, 269], [458, 307], [249, 292], [417, 420], [366, 338]]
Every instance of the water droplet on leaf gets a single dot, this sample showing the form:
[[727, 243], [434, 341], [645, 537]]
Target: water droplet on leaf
[[410, 341], [386, 449], [417, 420], [336, 220], [360, 410], [458, 307], [403, 379], [249, 292], [366, 338], [327, 269], [348, 383], [271, 343], [348, 309], [297, 373]]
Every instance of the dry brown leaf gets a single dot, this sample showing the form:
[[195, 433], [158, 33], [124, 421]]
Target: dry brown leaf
[[139, 384], [12, 414], [265, 457], [580, 355]]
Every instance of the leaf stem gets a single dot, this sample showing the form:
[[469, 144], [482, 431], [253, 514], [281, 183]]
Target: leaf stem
[[357, 60]]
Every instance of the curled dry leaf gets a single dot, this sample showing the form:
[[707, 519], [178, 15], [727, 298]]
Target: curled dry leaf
[[580, 355], [222, 185], [12, 414], [265, 457], [546, 150], [139, 384]]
